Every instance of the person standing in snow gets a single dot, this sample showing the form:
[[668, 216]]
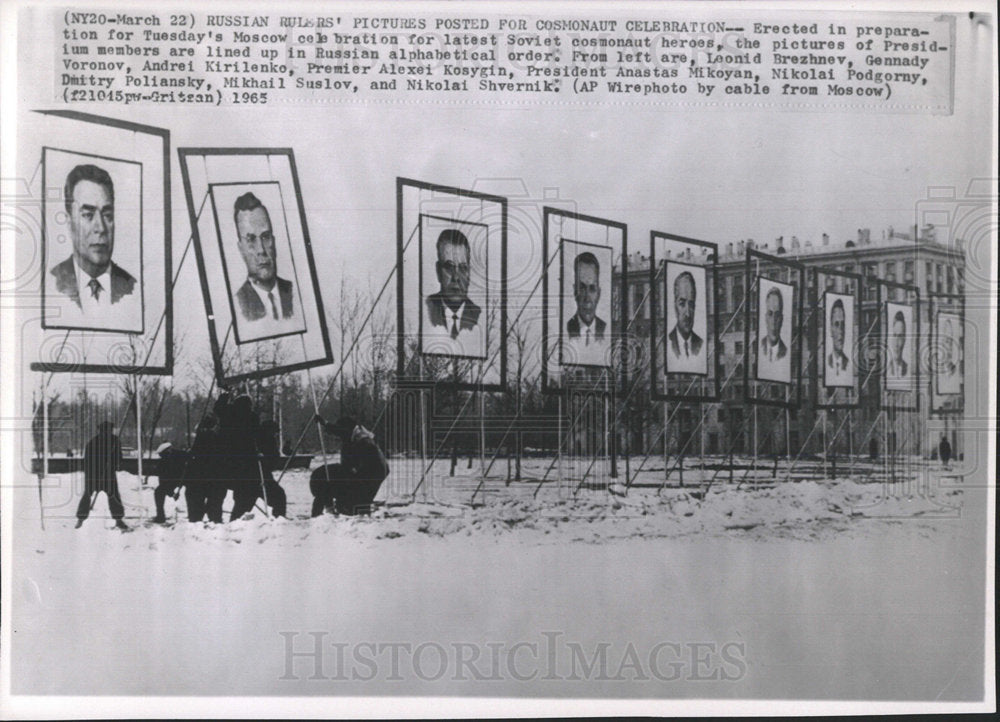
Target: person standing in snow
[[102, 458], [351, 485]]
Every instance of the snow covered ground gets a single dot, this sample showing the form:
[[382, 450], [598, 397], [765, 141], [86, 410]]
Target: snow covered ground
[[813, 589]]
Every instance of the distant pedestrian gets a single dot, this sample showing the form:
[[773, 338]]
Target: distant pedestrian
[[102, 458], [944, 451], [350, 486]]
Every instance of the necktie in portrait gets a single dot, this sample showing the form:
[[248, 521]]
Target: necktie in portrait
[[274, 306]]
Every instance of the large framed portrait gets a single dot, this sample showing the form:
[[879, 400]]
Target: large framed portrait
[[685, 319], [255, 262], [454, 287], [898, 341], [93, 243], [838, 340], [775, 313], [949, 346], [584, 302], [105, 255], [586, 321], [263, 282], [451, 286]]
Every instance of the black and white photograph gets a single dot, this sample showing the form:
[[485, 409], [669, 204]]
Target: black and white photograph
[[838, 340], [898, 341], [454, 287], [260, 271], [94, 244], [949, 345], [587, 321], [473, 359], [775, 316], [685, 319]]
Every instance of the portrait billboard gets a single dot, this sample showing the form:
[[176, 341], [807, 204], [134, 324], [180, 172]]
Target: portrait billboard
[[104, 268], [775, 309], [949, 346], [838, 340], [454, 287], [586, 321], [258, 277], [685, 315], [898, 342]]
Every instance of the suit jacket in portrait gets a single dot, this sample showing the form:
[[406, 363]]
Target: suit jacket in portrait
[[436, 309], [574, 324], [782, 349], [694, 344], [252, 308], [122, 282], [898, 367], [837, 360]]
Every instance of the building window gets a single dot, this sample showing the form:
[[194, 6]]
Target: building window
[[951, 279], [640, 308], [961, 279], [724, 295], [739, 349], [870, 272], [890, 271], [939, 277], [908, 271]]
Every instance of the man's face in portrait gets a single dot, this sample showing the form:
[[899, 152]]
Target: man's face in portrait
[[92, 226], [684, 300], [837, 330], [256, 245], [453, 272], [773, 317], [586, 291]]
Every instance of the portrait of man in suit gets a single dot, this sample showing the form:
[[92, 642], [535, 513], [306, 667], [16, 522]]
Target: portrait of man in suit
[[585, 341], [453, 323], [948, 355], [265, 303], [684, 310], [773, 359], [898, 370], [92, 290], [838, 370]]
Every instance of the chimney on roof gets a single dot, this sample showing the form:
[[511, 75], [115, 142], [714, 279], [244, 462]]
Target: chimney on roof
[[795, 243], [729, 248], [826, 239]]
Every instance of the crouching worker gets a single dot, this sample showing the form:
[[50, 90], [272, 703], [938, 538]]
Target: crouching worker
[[173, 464], [351, 485]]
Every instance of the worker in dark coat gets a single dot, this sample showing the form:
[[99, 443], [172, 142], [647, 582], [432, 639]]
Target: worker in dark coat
[[240, 440], [102, 458], [351, 485], [171, 474], [205, 489], [270, 462]]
